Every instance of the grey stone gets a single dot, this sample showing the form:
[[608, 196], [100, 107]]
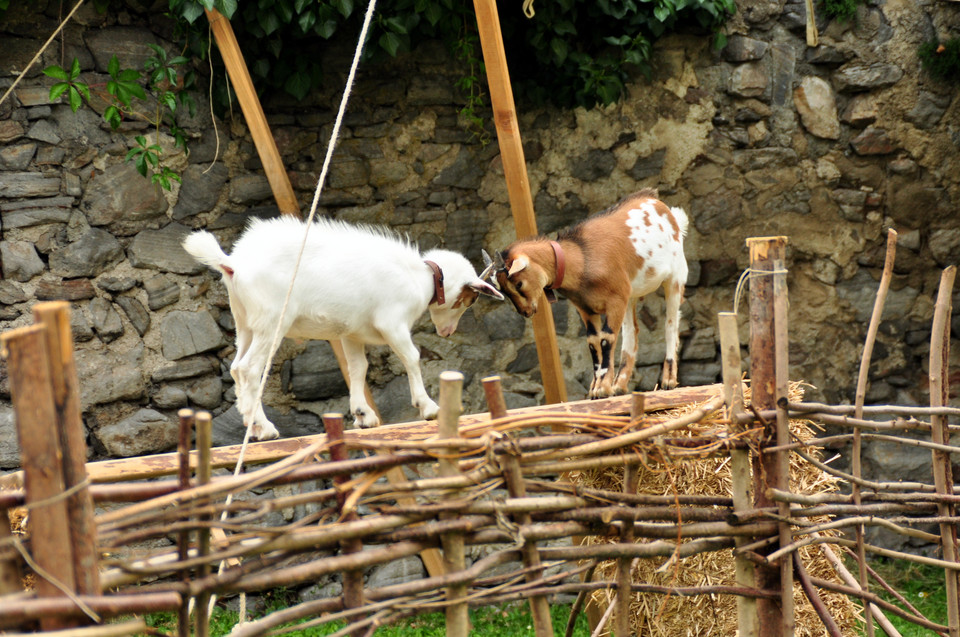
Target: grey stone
[[129, 44], [186, 368], [228, 427], [122, 198], [161, 250], [817, 107], [168, 397], [17, 157], [136, 313], [249, 189], [200, 190], [465, 172], [741, 48], [106, 378], [702, 345], [11, 293], [106, 320], [861, 110], [858, 77], [348, 173], [116, 285], [525, 360], [504, 323], [465, 229], [44, 131], [10, 131], [161, 292], [401, 571], [872, 141], [187, 333], [20, 260], [82, 127], [748, 80], [206, 392], [783, 64], [944, 245], [80, 327], [28, 185], [393, 400], [88, 256], [33, 212], [593, 165], [70, 290], [649, 166], [860, 292], [929, 109], [320, 591], [9, 441], [146, 431], [696, 374], [315, 373]]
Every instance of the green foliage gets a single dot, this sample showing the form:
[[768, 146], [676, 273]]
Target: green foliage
[[941, 59], [573, 52], [921, 585], [841, 10]]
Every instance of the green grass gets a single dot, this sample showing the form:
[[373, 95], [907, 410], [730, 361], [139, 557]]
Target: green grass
[[922, 586], [513, 620]]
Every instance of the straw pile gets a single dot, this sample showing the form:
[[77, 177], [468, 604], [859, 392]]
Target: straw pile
[[658, 615]]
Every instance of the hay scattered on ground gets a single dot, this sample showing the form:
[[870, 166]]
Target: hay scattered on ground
[[658, 615]]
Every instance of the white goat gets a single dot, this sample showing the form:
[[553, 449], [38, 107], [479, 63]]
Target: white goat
[[359, 284]]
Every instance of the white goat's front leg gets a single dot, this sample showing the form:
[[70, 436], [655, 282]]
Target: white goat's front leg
[[363, 413], [673, 295], [403, 346], [247, 370]]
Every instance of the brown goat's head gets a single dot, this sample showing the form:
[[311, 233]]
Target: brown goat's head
[[521, 279]]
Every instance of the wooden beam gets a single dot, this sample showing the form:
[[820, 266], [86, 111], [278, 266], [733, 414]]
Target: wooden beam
[[518, 185]]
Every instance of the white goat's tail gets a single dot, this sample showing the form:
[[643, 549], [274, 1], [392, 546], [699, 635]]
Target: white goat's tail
[[203, 247], [681, 216]]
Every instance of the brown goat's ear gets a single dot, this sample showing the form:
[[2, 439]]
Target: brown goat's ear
[[518, 264]]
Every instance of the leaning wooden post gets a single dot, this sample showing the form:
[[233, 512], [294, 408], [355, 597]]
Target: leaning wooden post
[[352, 580], [518, 185], [185, 419], [942, 474], [31, 387], [55, 315], [539, 606], [458, 617], [622, 624], [856, 453], [204, 443], [764, 251], [739, 466]]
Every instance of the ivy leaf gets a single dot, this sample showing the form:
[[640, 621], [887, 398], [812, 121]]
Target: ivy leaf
[[345, 7], [268, 22], [433, 13], [227, 7], [564, 27], [390, 42], [306, 21], [300, 5], [661, 13], [298, 84], [560, 49], [191, 11], [326, 29]]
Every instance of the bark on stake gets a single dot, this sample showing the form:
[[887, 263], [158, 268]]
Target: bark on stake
[[539, 606], [55, 315], [763, 252], [739, 465], [185, 417], [352, 580], [31, 387], [942, 474], [204, 442], [458, 619]]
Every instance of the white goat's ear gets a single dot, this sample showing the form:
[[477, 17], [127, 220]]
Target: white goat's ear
[[518, 264], [483, 287]]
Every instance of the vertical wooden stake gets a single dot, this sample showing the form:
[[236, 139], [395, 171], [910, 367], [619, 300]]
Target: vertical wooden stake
[[352, 580], [55, 316], [763, 252], [204, 443], [518, 184], [28, 363], [539, 605], [458, 617], [942, 474], [185, 417], [622, 625], [739, 465], [856, 452]]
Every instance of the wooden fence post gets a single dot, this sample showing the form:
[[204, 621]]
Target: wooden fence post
[[458, 618], [185, 417], [31, 387], [764, 251], [204, 426]]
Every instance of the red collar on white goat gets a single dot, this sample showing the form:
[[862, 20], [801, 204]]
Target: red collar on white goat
[[438, 297]]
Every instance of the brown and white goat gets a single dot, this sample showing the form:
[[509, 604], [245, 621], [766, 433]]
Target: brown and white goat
[[604, 265]]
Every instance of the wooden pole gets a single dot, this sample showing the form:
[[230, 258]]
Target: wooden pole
[[539, 606], [764, 251], [204, 443], [352, 580], [942, 473], [185, 417], [739, 466], [31, 387], [518, 185], [55, 315], [458, 618], [861, 392]]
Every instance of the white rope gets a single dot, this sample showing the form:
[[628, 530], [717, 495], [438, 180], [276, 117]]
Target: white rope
[[750, 273], [277, 336]]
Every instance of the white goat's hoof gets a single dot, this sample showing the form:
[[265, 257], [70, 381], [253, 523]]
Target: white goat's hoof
[[264, 432], [429, 411], [365, 419]]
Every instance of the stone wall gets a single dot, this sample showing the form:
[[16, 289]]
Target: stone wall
[[829, 145]]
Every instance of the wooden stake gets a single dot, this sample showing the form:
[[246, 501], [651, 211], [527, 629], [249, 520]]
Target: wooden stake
[[185, 417], [458, 618], [942, 474], [31, 387], [204, 443], [539, 606], [857, 451], [764, 251], [518, 185], [739, 466]]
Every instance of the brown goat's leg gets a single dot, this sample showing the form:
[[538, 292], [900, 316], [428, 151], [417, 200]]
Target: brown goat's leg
[[607, 342], [673, 295], [593, 324], [628, 348]]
